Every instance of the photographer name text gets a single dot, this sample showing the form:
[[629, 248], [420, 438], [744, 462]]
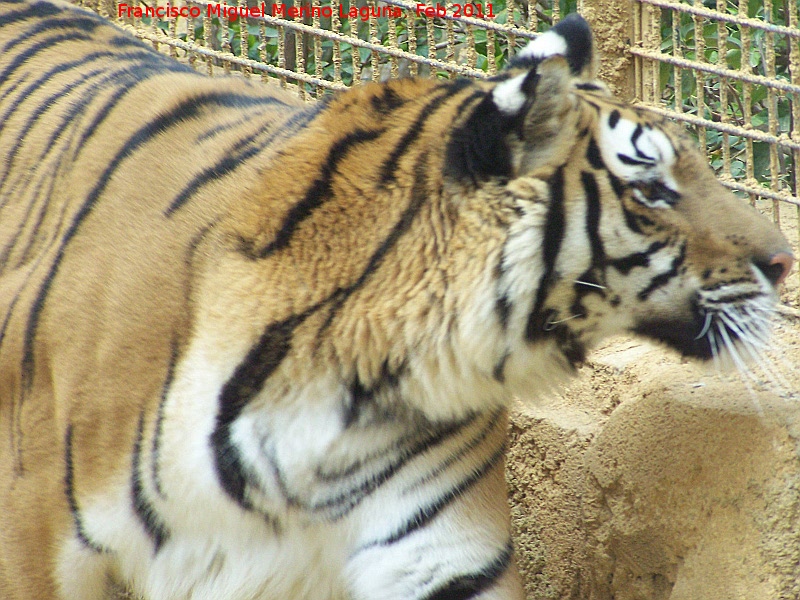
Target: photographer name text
[[364, 13]]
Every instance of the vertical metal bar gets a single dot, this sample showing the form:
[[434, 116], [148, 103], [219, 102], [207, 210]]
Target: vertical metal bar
[[431, 37], [392, 35], [355, 54], [747, 100], [677, 52], [511, 21], [412, 40], [373, 38], [472, 54], [336, 26], [281, 31], [699, 78], [722, 63], [190, 37], [490, 52], [244, 38], [533, 18], [207, 25], [450, 51], [794, 70], [772, 112], [262, 47], [315, 12], [225, 36], [173, 32]]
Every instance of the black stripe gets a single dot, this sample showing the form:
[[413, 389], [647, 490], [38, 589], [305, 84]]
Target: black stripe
[[502, 304], [142, 63], [344, 502], [503, 309], [419, 195], [69, 489], [236, 157], [245, 383], [239, 121], [465, 449], [35, 49], [13, 87], [43, 198], [186, 110], [42, 107], [627, 160], [632, 220], [134, 72], [499, 370], [664, 278], [78, 22], [44, 79], [624, 264], [317, 194], [153, 525], [464, 587], [155, 451], [425, 514], [637, 132], [362, 397], [37, 11], [594, 156], [478, 148], [593, 213], [596, 272], [425, 436], [387, 101], [613, 118], [554, 228], [616, 184], [413, 131]]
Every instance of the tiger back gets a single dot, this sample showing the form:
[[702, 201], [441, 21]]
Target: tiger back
[[253, 348]]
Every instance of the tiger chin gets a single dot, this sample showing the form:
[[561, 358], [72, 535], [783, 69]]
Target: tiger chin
[[256, 349]]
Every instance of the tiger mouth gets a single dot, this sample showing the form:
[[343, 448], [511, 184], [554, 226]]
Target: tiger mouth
[[720, 325]]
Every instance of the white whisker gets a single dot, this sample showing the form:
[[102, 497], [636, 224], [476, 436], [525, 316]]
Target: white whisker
[[762, 361], [548, 326], [730, 347], [741, 367], [712, 342], [706, 325], [594, 285]]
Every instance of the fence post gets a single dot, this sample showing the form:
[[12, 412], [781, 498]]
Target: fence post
[[613, 25]]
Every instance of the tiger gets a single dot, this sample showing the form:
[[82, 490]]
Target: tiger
[[257, 348]]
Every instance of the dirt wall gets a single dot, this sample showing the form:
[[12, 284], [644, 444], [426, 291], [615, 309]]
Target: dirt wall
[[654, 479]]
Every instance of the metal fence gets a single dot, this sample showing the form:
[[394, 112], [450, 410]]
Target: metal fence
[[729, 69]]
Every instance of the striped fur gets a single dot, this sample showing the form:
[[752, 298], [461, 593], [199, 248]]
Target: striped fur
[[257, 349]]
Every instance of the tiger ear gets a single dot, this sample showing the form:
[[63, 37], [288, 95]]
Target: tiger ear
[[526, 106], [571, 38], [571, 41]]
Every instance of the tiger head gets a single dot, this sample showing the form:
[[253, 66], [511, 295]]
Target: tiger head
[[622, 221]]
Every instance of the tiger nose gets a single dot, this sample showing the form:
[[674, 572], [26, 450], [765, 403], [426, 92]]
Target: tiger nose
[[778, 267]]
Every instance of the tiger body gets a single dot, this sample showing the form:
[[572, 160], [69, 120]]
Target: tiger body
[[253, 348]]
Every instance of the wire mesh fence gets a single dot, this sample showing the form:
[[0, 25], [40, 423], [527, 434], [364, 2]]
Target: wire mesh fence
[[329, 44], [728, 69]]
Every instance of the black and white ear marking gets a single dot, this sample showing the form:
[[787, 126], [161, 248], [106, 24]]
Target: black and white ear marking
[[510, 96], [570, 38]]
